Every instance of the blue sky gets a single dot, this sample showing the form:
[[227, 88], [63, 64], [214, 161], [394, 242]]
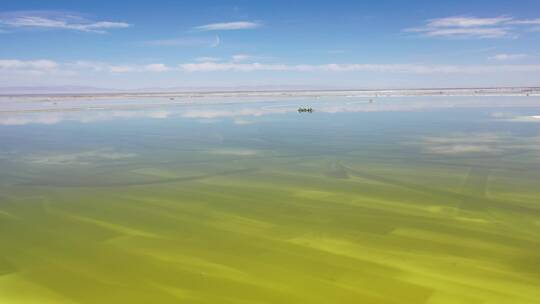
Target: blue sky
[[326, 44]]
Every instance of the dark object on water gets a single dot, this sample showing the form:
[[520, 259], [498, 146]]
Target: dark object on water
[[172, 98], [302, 110]]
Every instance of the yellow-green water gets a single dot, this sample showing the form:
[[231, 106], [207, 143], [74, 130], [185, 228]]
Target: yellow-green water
[[424, 206]]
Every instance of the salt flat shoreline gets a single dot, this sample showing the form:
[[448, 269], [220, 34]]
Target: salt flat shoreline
[[503, 91]]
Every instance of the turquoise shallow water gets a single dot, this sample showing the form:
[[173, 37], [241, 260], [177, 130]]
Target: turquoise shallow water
[[402, 200]]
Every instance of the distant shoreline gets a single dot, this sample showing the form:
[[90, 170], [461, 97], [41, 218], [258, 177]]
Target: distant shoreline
[[486, 91]]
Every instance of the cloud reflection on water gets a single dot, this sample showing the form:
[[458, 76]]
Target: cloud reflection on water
[[241, 112]]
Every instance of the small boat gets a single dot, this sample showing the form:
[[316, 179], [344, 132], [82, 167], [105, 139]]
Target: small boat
[[302, 110]]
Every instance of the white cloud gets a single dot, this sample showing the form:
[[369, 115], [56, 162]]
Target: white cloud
[[100, 25], [156, 67], [472, 27], [506, 57], [153, 67], [246, 57], [90, 65], [121, 68], [41, 64], [97, 66], [227, 26], [12, 67], [18, 72], [245, 67], [56, 20], [383, 68]]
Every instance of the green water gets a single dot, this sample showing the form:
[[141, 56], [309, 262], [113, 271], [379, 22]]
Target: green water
[[354, 203]]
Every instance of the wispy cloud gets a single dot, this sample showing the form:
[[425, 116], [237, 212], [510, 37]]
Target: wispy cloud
[[507, 57], [472, 27], [56, 20], [185, 42], [466, 21], [227, 26], [467, 32], [526, 22]]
